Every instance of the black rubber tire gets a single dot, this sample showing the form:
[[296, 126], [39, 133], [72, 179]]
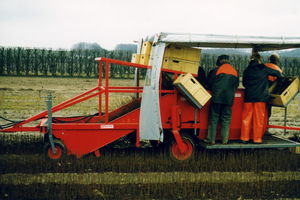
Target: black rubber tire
[[173, 152], [60, 147]]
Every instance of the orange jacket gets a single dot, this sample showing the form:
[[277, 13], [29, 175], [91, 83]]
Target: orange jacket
[[273, 66], [223, 82]]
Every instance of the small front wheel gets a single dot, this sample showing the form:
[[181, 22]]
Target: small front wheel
[[59, 148], [189, 149]]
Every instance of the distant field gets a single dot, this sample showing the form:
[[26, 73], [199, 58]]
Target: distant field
[[22, 97]]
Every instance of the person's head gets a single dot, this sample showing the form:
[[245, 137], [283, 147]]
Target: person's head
[[256, 57], [274, 58], [222, 59]]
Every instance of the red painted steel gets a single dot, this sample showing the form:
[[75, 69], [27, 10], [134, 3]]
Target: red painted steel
[[89, 135], [100, 85], [119, 62], [284, 127], [80, 142]]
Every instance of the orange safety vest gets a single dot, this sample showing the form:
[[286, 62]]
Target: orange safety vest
[[227, 69], [275, 67]]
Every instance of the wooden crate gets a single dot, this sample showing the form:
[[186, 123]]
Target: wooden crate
[[183, 53], [135, 58], [144, 59], [194, 92], [282, 96], [146, 48], [180, 65]]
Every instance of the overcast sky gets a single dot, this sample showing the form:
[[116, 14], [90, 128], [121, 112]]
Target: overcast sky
[[61, 23]]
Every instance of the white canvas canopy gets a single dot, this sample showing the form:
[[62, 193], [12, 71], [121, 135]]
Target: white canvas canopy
[[230, 41]]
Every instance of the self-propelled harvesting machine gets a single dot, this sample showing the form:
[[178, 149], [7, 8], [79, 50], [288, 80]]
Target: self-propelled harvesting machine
[[159, 113]]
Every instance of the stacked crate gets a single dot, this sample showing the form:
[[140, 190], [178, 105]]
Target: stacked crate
[[145, 53], [177, 58], [144, 57], [194, 92], [180, 58], [135, 58]]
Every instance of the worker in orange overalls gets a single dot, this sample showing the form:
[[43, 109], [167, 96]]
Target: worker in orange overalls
[[223, 82], [273, 64], [255, 81]]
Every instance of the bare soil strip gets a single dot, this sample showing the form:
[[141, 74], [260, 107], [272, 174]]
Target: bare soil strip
[[146, 178]]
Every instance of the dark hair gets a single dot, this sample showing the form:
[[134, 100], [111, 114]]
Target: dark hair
[[274, 59], [255, 57], [222, 59]]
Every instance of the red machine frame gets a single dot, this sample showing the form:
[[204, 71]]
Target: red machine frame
[[81, 136]]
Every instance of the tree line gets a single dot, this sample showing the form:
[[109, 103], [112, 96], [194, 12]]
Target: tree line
[[70, 63], [81, 63]]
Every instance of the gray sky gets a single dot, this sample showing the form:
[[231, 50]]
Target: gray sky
[[61, 23]]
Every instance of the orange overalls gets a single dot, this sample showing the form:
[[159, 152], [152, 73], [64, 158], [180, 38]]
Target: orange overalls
[[255, 81]]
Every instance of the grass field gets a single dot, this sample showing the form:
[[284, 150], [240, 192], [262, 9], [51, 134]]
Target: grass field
[[22, 97], [130, 173]]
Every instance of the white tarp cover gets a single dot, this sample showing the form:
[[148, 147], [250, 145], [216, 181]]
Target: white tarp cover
[[231, 41], [150, 118]]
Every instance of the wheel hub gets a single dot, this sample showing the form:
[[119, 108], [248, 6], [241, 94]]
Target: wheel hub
[[56, 155], [186, 151]]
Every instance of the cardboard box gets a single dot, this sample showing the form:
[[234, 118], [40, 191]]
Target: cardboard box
[[146, 48], [183, 53], [135, 58], [180, 65], [194, 92], [283, 92]]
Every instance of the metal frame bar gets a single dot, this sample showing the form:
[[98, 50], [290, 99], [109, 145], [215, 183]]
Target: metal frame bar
[[87, 95]]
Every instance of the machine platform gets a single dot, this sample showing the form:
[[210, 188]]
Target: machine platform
[[269, 141]]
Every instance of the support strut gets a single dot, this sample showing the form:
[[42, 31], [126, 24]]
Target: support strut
[[49, 122], [176, 128]]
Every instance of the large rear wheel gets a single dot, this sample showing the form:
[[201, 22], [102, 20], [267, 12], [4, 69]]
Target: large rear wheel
[[189, 148], [60, 150]]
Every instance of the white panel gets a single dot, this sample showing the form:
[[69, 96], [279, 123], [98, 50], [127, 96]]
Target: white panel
[[150, 118]]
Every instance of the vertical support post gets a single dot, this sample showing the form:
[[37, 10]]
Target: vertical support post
[[195, 121], [137, 80], [49, 122], [106, 90], [137, 70], [99, 85], [254, 50], [176, 127], [137, 139]]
